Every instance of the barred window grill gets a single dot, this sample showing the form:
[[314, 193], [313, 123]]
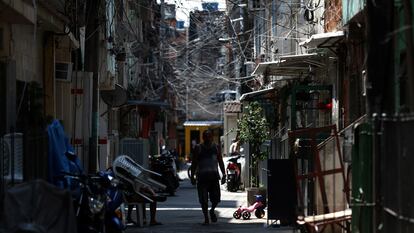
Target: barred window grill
[[137, 149], [12, 157]]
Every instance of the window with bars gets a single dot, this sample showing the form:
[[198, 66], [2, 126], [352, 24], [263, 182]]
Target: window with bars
[[255, 4]]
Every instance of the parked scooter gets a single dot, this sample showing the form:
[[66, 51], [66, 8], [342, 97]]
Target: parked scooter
[[165, 165], [98, 200], [89, 196], [89, 201], [114, 212], [233, 173]]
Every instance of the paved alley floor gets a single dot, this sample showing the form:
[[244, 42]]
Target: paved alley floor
[[182, 213]]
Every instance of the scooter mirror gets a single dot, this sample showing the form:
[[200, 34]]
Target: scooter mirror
[[70, 155]]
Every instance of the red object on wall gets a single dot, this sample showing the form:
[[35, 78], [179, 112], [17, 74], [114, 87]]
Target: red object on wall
[[147, 122], [325, 106], [77, 141], [103, 141], [76, 91]]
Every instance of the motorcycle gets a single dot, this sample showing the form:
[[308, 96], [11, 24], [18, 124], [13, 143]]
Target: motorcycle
[[98, 200], [89, 200], [165, 165], [114, 212], [233, 173]]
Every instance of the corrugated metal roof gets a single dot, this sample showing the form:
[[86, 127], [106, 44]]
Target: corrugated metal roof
[[292, 65], [203, 123], [323, 40], [250, 95]]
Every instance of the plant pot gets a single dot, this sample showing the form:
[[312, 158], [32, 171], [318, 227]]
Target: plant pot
[[251, 192]]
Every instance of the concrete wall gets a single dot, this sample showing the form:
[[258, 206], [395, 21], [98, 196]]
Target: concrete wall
[[23, 44], [350, 8], [334, 184], [230, 126]]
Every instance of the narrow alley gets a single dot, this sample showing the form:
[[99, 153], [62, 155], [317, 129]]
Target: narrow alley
[[306, 105], [182, 213]]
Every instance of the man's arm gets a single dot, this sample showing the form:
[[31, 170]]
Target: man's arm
[[194, 163]]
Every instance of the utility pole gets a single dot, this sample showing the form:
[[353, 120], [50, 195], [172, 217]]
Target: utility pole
[[162, 37], [161, 64], [186, 76], [92, 65]]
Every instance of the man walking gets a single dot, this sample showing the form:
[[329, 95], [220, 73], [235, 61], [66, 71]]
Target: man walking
[[207, 158]]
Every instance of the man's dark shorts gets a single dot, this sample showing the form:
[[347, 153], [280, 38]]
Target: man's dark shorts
[[207, 188]]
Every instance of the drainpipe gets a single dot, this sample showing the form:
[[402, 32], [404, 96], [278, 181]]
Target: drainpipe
[[92, 65], [408, 22]]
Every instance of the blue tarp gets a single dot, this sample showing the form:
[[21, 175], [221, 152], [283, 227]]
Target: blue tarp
[[58, 162]]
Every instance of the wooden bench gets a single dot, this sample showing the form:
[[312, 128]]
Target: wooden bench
[[317, 223]]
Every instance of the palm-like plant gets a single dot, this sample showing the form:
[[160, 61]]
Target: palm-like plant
[[253, 129]]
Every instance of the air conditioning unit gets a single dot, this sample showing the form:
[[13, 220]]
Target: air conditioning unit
[[11, 151], [63, 71]]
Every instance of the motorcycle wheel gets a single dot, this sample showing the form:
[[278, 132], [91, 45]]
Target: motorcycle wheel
[[189, 172], [231, 185], [260, 213], [246, 215], [235, 188], [170, 182], [236, 215]]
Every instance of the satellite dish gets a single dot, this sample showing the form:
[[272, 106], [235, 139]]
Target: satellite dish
[[116, 97]]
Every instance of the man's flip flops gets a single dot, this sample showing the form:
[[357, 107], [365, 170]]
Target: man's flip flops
[[213, 216]]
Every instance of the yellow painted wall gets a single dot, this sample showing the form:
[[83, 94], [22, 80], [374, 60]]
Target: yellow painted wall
[[201, 129]]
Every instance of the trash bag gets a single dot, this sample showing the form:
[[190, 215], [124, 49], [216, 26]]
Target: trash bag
[[37, 207]]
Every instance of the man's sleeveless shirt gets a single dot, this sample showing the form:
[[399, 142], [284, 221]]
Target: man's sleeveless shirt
[[207, 163]]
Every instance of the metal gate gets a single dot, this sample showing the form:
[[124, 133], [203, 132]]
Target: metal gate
[[395, 174], [137, 149]]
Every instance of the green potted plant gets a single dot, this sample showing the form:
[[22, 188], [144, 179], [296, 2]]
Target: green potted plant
[[253, 129]]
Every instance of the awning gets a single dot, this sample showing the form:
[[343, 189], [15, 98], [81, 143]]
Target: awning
[[203, 123], [323, 40], [253, 94], [148, 103], [293, 65]]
